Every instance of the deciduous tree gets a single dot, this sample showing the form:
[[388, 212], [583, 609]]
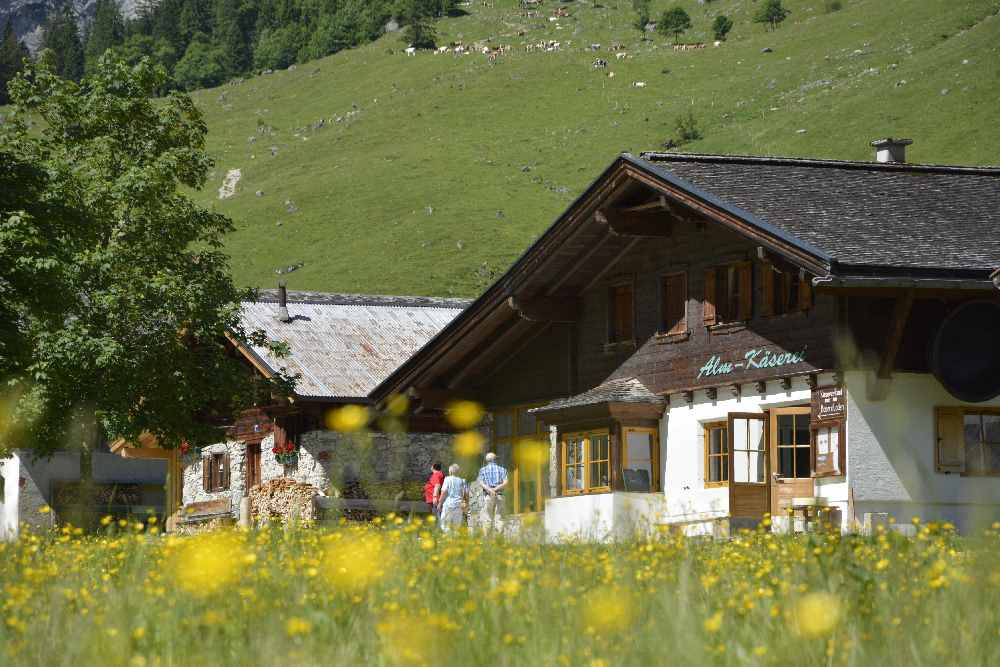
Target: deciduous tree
[[114, 291], [673, 22], [772, 13]]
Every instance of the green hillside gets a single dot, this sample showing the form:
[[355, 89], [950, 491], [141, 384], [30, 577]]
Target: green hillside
[[442, 169]]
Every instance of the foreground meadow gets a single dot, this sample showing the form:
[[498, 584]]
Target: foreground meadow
[[399, 592]]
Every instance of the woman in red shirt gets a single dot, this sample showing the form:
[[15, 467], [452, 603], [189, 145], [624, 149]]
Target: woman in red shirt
[[432, 489]]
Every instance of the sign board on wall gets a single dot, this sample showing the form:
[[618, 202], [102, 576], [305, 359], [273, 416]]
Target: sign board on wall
[[828, 403]]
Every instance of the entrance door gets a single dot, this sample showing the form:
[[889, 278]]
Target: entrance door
[[791, 458], [749, 490]]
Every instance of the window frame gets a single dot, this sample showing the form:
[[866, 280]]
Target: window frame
[[586, 436], [778, 281], [707, 429], [654, 454], [980, 412], [712, 308], [611, 337], [814, 428], [685, 330], [217, 476], [512, 441]]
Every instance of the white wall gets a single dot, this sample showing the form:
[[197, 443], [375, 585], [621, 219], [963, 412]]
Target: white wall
[[688, 501], [890, 455], [602, 516], [9, 469]]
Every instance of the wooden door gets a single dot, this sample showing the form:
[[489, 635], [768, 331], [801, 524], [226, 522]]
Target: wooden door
[[791, 458], [253, 465], [749, 487]]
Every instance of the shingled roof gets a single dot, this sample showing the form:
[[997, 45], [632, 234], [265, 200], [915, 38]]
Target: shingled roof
[[859, 214], [621, 390], [343, 345]]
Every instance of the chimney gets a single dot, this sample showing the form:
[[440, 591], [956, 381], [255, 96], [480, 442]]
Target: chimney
[[891, 150], [283, 303]]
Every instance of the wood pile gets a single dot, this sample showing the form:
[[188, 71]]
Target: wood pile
[[283, 498]]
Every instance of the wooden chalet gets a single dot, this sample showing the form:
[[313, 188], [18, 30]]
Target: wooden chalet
[[704, 340], [341, 347]]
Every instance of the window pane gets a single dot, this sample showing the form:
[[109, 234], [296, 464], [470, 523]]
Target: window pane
[[786, 431], [598, 447], [599, 474], [503, 424], [973, 429], [715, 469], [574, 477], [786, 462], [758, 467], [993, 456], [740, 436], [756, 434], [638, 444], [802, 462], [741, 466], [801, 429], [991, 428]]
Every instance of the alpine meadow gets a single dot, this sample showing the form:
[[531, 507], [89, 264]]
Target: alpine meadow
[[451, 165]]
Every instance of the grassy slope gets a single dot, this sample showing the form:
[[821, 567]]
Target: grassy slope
[[456, 134]]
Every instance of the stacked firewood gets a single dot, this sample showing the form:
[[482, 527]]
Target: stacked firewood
[[283, 498]]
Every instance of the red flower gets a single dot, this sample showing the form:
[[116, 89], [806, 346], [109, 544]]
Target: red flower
[[275, 450], [185, 447], [290, 447]]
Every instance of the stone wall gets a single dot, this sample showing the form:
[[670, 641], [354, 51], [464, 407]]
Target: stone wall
[[329, 461]]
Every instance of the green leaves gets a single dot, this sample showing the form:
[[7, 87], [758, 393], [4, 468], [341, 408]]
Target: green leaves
[[116, 294]]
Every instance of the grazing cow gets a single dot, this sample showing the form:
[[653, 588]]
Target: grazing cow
[[442, 49], [492, 58], [638, 84], [717, 42], [600, 63], [595, 47], [410, 51], [621, 55]]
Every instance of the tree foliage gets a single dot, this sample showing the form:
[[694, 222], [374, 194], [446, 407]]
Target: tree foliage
[[721, 26], [772, 13], [114, 291], [61, 38], [642, 13], [106, 31], [12, 55], [673, 22]]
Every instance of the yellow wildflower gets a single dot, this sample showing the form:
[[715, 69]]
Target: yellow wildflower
[[816, 614], [464, 414], [296, 626], [347, 419]]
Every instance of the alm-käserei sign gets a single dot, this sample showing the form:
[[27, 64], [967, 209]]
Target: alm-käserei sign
[[752, 359]]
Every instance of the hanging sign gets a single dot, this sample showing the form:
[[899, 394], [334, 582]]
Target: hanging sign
[[828, 403], [751, 359]]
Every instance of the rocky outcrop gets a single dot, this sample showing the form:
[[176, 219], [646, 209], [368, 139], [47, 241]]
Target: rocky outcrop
[[29, 16]]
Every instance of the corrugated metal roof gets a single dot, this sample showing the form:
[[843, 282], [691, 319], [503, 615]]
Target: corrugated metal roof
[[343, 348]]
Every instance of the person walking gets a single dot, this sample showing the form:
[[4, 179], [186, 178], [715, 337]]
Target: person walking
[[432, 489], [493, 477], [453, 491]]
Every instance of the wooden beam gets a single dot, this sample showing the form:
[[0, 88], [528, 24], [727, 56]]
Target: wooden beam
[[624, 222], [609, 265], [432, 398], [900, 315], [579, 263], [480, 357], [545, 309], [514, 351]]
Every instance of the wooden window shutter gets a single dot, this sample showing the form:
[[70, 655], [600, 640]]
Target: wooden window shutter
[[767, 290], [949, 450], [805, 293], [206, 474], [224, 476], [709, 301], [746, 291], [280, 434]]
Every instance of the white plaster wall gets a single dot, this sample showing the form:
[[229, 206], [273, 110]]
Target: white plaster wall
[[890, 456], [687, 499], [9, 469], [602, 516]]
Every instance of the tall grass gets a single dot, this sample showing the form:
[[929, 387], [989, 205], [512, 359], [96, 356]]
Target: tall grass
[[399, 592]]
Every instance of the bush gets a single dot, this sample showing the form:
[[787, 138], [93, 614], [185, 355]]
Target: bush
[[831, 6], [721, 26], [687, 129], [642, 14]]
